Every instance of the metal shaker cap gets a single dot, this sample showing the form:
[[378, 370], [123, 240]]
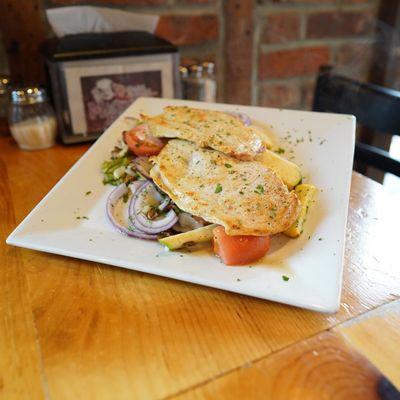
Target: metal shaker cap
[[28, 95]]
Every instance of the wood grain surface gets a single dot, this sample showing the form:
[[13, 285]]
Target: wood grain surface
[[104, 332], [20, 364], [319, 368], [376, 335], [24, 27]]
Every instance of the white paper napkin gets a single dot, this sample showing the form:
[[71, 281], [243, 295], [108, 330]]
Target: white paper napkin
[[87, 19]]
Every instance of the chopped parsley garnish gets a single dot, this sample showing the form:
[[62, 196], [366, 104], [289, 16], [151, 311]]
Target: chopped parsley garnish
[[319, 238], [125, 197], [218, 188], [280, 150], [228, 165], [240, 192], [88, 192], [285, 278], [259, 189]]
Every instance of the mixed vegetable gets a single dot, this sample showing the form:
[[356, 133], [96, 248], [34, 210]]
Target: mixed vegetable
[[149, 213], [138, 208]]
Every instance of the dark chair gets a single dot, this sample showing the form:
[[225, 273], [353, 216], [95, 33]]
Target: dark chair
[[375, 107]]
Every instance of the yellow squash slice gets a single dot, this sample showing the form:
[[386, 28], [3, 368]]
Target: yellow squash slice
[[289, 172], [307, 195]]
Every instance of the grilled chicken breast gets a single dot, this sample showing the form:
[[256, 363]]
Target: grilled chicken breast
[[206, 128], [243, 196]]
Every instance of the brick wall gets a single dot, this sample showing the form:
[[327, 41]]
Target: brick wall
[[296, 36], [192, 25], [267, 51]]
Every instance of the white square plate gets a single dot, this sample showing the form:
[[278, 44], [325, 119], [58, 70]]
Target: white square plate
[[322, 144]]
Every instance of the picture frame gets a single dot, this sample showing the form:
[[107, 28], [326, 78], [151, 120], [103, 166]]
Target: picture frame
[[91, 89]]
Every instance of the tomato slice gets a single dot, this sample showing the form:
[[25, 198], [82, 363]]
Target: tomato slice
[[239, 250], [141, 142]]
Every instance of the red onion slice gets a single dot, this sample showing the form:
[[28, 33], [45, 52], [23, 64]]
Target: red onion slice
[[243, 117], [139, 201], [112, 201]]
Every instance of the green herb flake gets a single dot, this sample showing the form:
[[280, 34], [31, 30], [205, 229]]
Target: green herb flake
[[218, 188], [228, 165], [88, 193], [285, 278], [319, 239], [259, 189], [125, 197], [280, 150]]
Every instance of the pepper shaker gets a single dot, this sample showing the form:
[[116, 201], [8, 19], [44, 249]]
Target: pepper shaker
[[210, 83]]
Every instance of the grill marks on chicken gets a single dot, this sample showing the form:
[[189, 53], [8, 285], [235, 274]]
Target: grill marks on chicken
[[209, 129], [243, 196]]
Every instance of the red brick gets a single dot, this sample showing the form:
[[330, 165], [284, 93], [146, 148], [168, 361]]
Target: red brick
[[338, 24], [107, 2], [238, 50], [196, 1], [354, 59], [360, 1], [297, 62], [188, 61], [307, 94], [280, 28], [298, 1], [188, 29], [280, 95]]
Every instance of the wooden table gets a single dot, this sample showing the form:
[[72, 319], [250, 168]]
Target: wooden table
[[71, 329]]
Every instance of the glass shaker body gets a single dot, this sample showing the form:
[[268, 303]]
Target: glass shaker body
[[184, 74], [32, 120], [195, 84], [210, 82]]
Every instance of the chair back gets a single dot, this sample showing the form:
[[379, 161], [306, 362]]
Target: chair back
[[375, 107]]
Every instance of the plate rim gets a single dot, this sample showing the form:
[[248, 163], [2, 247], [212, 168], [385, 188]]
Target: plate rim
[[16, 240]]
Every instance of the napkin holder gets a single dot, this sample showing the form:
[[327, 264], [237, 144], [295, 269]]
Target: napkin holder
[[94, 77]]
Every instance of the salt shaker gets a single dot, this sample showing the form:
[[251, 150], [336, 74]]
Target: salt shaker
[[210, 83], [31, 118]]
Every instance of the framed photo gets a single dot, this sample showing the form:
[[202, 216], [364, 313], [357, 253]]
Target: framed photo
[[98, 91]]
